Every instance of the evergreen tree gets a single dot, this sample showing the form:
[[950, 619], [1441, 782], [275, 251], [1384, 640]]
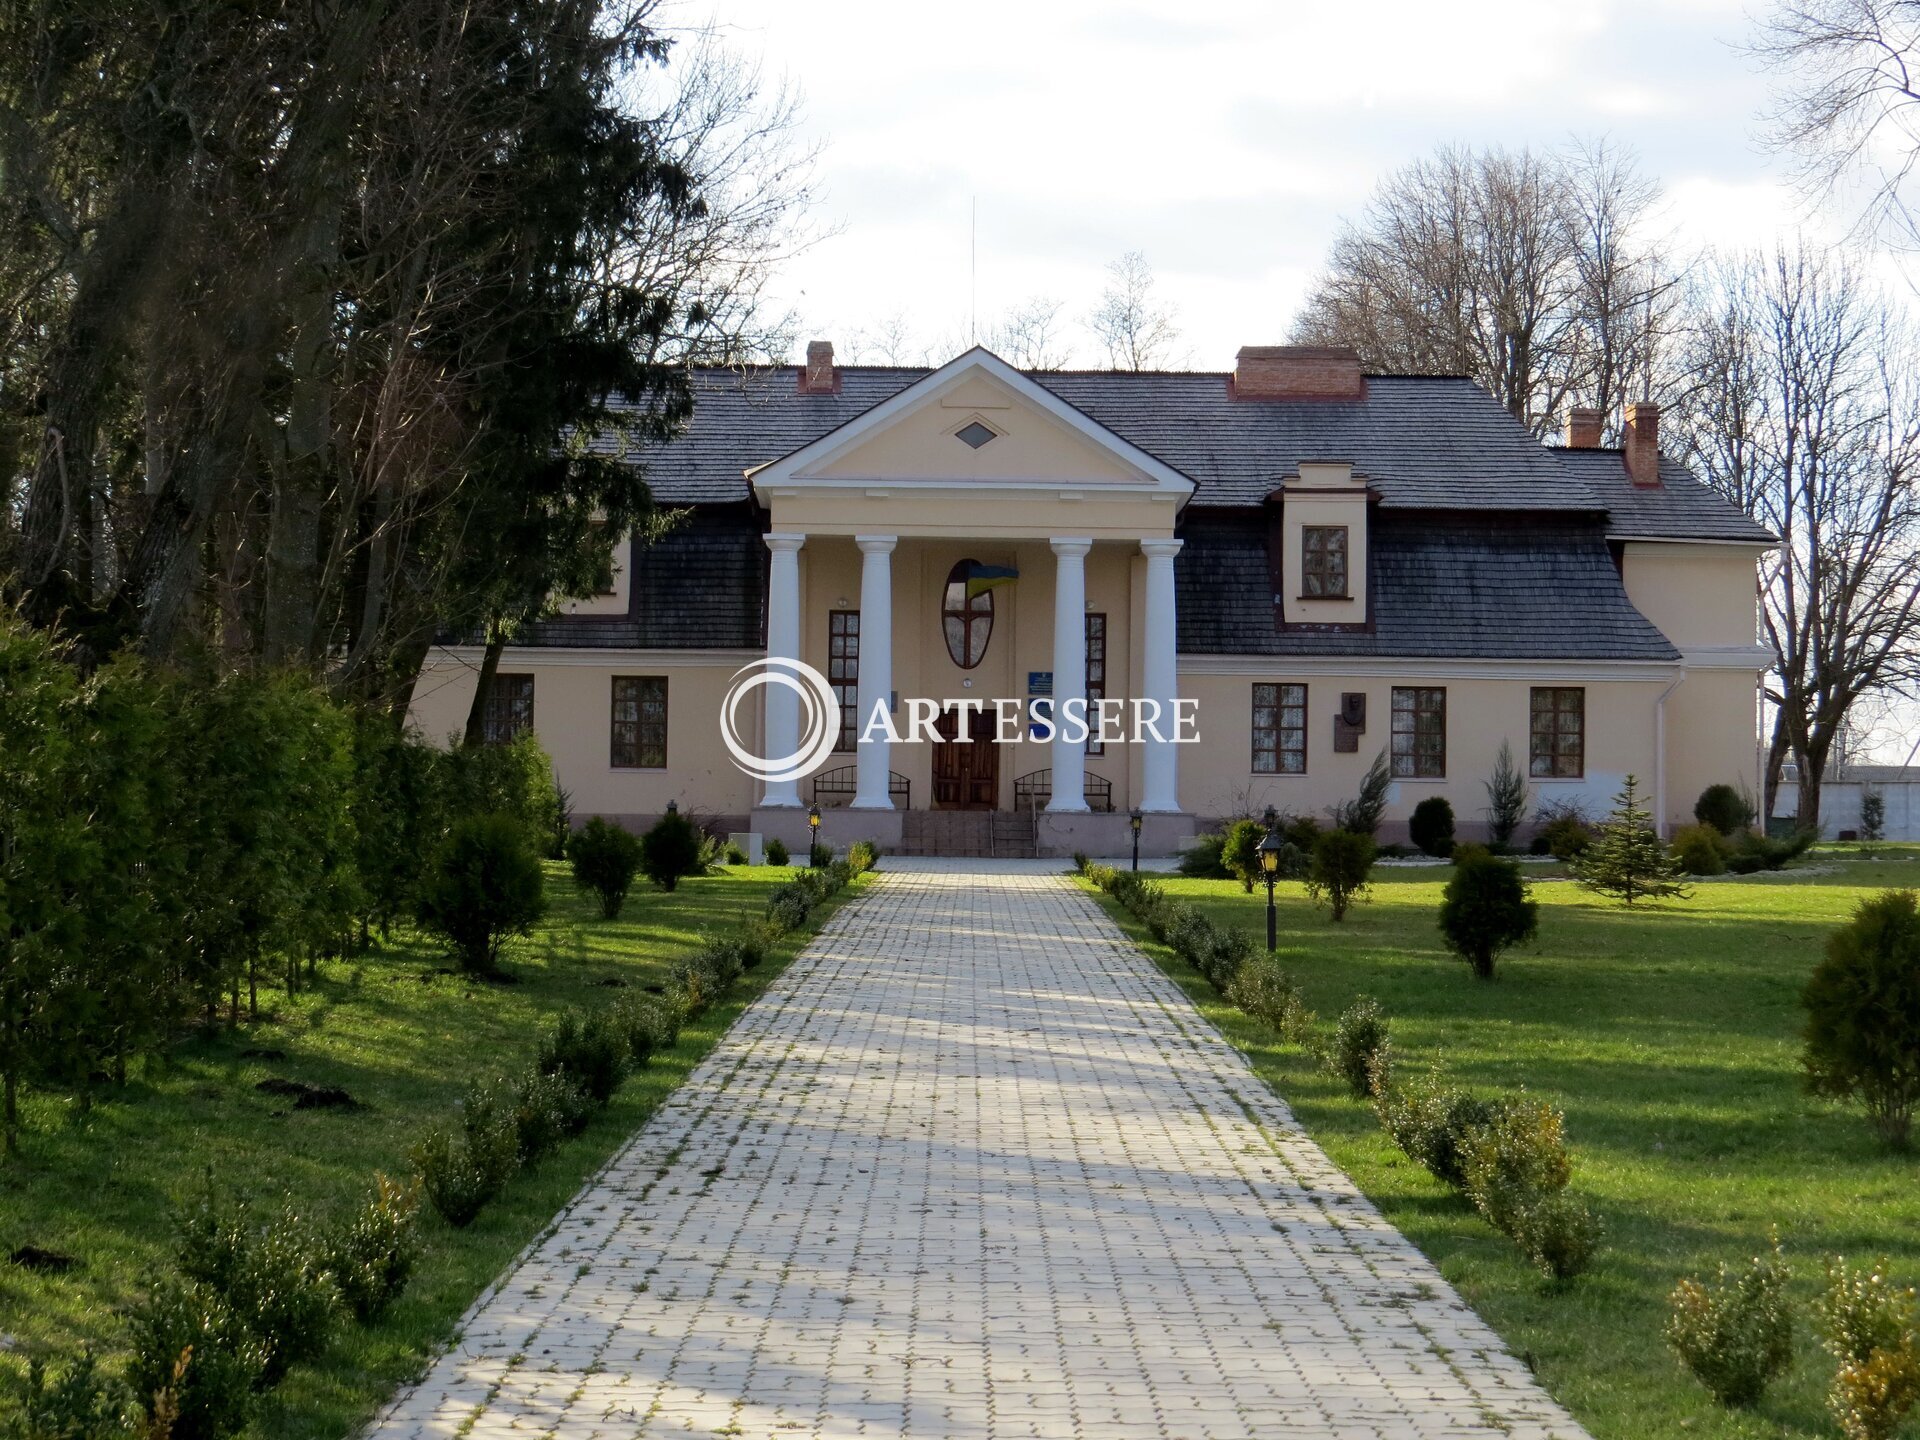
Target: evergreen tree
[[1627, 859]]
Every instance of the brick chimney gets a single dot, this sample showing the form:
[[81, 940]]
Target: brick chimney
[[819, 376], [1642, 443], [1296, 372], [1583, 428]]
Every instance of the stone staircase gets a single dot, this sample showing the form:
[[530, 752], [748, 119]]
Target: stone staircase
[[996, 834]]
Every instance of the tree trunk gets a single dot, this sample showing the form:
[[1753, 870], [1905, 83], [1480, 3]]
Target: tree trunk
[[489, 666]]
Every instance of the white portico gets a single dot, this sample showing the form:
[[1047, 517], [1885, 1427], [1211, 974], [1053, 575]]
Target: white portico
[[974, 554]]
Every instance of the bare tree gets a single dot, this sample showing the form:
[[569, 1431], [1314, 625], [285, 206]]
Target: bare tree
[[1531, 273], [1850, 102], [1030, 336], [1805, 416], [890, 340], [1134, 326]]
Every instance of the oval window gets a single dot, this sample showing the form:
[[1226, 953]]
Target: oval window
[[966, 619]]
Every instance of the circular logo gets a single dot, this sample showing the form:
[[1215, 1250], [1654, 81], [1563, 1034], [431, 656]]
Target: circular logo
[[819, 725]]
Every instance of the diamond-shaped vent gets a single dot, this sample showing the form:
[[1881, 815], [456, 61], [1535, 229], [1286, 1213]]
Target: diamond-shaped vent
[[974, 433]]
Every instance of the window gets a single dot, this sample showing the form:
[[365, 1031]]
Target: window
[[1323, 560], [509, 711], [1096, 678], [843, 672], [1419, 733], [639, 722], [974, 434], [1279, 729], [1558, 740], [967, 618]]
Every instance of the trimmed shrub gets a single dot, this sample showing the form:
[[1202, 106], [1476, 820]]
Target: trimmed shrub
[[670, 851], [81, 1404], [1342, 860], [605, 859], [789, 906], [208, 1393], [1267, 991], [272, 1274], [1863, 1014], [591, 1050], [1699, 850], [819, 855], [1301, 831], [1431, 826], [1868, 1324], [1869, 1398], [547, 1110], [371, 1253], [863, 855], [1515, 1159], [1434, 1123], [461, 1170], [1202, 859], [1240, 852], [1565, 832], [775, 852], [1560, 1235], [1737, 1334], [483, 887], [710, 971], [650, 1026], [1723, 808], [1485, 910], [1362, 1049]]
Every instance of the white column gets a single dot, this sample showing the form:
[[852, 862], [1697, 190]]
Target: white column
[[1069, 669], [874, 757], [783, 641], [1160, 760]]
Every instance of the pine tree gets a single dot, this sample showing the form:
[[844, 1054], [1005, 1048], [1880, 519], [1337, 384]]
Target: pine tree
[[1627, 859]]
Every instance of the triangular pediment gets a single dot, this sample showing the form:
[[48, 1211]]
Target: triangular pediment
[[975, 421]]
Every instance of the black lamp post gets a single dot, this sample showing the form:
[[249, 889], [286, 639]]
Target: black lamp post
[[813, 833], [1133, 824], [1269, 853]]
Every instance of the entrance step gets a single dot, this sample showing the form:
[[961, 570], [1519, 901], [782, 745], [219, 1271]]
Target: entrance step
[[977, 834]]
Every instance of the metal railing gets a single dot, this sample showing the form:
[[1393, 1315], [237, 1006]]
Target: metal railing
[[1033, 791], [832, 788]]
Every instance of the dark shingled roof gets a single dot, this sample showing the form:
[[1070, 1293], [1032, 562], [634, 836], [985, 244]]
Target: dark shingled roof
[[1521, 587], [1424, 442], [701, 586]]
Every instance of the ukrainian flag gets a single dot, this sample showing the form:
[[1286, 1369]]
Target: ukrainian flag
[[982, 578]]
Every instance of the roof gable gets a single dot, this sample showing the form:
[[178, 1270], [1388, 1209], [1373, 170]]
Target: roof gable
[[1026, 437]]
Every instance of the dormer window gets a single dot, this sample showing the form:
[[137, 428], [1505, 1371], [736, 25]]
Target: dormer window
[[1323, 562], [974, 434]]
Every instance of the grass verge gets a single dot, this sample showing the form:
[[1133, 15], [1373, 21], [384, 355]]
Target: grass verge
[[405, 1038], [1669, 1034]]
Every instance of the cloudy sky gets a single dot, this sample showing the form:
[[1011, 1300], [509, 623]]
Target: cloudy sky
[[1225, 140]]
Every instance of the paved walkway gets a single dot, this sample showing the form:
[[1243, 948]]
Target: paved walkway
[[973, 1168]]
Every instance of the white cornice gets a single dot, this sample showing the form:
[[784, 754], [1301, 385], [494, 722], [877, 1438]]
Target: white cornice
[[1727, 657], [1404, 669], [610, 657], [1759, 547]]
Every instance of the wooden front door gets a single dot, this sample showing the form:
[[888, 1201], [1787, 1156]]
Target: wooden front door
[[966, 768]]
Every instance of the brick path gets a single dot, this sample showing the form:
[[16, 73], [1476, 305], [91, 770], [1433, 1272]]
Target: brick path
[[973, 1167]]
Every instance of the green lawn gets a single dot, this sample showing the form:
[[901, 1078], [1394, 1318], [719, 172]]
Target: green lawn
[[405, 1039], [1668, 1034]]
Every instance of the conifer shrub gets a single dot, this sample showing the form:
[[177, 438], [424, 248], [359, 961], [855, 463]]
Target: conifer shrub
[[1626, 859], [1486, 909], [1362, 1048], [1700, 850], [1342, 861], [863, 855], [775, 851], [1735, 1334], [1202, 860], [670, 851], [1873, 814], [605, 859], [514, 780], [483, 888], [212, 1394], [1862, 1040], [591, 1050], [371, 1252], [1753, 852], [1723, 808], [1362, 814], [1506, 798], [1430, 827]]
